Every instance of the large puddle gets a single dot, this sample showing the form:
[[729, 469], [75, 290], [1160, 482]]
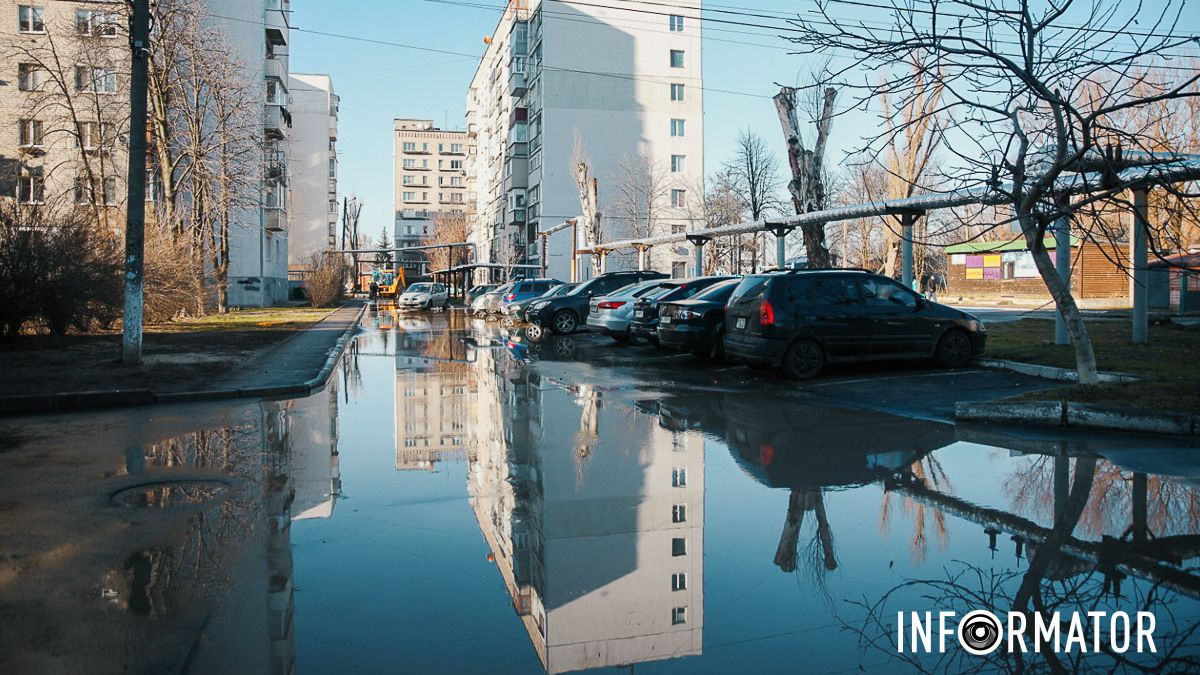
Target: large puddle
[[457, 501]]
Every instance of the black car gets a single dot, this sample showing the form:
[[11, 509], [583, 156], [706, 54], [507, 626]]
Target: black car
[[563, 314], [644, 325], [803, 320], [695, 324]]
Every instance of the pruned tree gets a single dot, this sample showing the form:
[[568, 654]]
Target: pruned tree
[[1016, 85], [589, 202], [807, 186]]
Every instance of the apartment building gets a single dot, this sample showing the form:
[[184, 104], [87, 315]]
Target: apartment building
[[314, 167], [430, 177], [65, 107], [620, 86]]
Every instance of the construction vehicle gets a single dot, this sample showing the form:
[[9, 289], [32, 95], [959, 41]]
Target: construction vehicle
[[390, 283]]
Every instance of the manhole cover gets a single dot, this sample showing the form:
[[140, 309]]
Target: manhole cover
[[168, 495]]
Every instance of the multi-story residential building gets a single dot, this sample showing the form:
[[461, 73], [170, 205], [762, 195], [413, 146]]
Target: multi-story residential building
[[619, 86], [314, 167], [65, 107], [430, 177]]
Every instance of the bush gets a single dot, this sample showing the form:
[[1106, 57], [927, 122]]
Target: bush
[[326, 278], [174, 285], [57, 269]]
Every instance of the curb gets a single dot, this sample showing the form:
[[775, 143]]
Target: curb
[[1077, 415], [127, 398], [1053, 373]]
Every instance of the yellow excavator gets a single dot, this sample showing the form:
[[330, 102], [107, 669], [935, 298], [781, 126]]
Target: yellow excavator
[[390, 283]]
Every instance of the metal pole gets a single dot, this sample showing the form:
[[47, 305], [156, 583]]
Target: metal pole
[[699, 252], [575, 252], [781, 248], [1140, 290], [545, 238], [641, 258], [135, 207], [1062, 261], [906, 222]]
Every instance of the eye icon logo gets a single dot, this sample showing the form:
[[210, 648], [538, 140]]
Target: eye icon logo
[[980, 632]]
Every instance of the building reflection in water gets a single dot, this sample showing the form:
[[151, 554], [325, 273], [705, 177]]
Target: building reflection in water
[[593, 513]]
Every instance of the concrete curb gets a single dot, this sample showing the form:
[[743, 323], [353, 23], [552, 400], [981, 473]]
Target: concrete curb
[[1077, 415], [124, 398], [1052, 373]]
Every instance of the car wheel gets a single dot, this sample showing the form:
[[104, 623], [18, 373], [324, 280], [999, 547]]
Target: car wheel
[[508, 322], [953, 350], [564, 348], [803, 360], [564, 322], [534, 332]]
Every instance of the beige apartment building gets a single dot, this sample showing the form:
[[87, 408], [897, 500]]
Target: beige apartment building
[[430, 176]]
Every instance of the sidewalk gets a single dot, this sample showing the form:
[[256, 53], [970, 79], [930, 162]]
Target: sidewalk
[[295, 367]]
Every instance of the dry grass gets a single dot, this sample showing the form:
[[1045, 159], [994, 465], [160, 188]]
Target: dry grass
[[1169, 361]]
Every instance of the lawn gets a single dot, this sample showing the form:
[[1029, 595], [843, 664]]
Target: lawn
[[1170, 361]]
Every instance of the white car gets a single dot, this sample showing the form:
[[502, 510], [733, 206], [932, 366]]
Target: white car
[[424, 296]]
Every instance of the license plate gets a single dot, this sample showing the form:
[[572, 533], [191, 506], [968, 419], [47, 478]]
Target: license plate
[[741, 323], [639, 314], [665, 320]]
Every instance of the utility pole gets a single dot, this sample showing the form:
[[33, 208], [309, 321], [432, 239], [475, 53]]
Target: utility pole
[[135, 206]]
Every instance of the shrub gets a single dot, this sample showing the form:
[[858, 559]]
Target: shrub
[[174, 279], [326, 278]]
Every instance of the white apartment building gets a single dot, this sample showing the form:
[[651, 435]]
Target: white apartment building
[[259, 33], [313, 167], [624, 83], [429, 176]]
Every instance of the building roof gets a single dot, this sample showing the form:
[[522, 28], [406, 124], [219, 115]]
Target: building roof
[[1017, 244], [1190, 261]]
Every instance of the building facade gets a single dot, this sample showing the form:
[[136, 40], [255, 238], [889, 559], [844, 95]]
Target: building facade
[[313, 167], [618, 87], [429, 177], [64, 109]]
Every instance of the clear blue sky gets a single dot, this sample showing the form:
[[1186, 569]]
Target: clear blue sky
[[379, 82]]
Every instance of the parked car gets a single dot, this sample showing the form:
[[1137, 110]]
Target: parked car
[[564, 313], [525, 290], [424, 296], [476, 291], [610, 314], [489, 303], [516, 310], [644, 325], [696, 324], [803, 320]]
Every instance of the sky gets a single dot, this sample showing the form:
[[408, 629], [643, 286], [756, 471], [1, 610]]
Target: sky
[[743, 66]]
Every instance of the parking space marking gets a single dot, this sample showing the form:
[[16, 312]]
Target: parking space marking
[[896, 377]]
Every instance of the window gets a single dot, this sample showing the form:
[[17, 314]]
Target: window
[[30, 77], [678, 616], [834, 292], [456, 164], [410, 147], [676, 91], [95, 80], [677, 128], [31, 133], [408, 196], [676, 23], [679, 581], [679, 270], [679, 513], [408, 180], [30, 19], [274, 196], [94, 22], [678, 228], [83, 190], [441, 147], [410, 164], [111, 196], [275, 93], [332, 167], [678, 547], [676, 58], [90, 136], [678, 163], [31, 188], [456, 148], [678, 197], [333, 206], [881, 293], [679, 477]]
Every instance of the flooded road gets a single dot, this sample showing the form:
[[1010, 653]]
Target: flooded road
[[460, 500]]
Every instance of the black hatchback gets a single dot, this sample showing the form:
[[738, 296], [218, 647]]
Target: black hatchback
[[644, 325], [803, 320], [696, 324]]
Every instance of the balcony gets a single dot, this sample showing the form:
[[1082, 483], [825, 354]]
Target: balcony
[[277, 22], [277, 121], [517, 84], [275, 219], [276, 69]]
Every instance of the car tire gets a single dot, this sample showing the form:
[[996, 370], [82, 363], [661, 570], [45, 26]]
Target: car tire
[[564, 322], [953, 349], [535, 333], [803, 360]]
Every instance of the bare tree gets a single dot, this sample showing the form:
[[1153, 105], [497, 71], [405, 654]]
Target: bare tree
[[753, 172], [1017, 83], [807, 186], [643, 190], [722, 206], [449, 227]]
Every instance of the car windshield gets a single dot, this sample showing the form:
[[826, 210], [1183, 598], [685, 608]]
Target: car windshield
[[718, 292], [420, 288], [749, 289], [562, 289], [662, 291]]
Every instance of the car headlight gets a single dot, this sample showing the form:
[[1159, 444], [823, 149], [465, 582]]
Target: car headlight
[[539, 305], [976, 326]]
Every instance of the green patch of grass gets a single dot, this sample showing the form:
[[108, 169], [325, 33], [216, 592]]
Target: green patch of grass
[[270, 318], [1169, 361]]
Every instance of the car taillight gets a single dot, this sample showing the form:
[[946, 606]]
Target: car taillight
[[766, 314], [610, 304], [510, 297]]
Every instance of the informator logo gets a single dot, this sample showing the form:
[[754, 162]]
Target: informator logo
[[981, 632]]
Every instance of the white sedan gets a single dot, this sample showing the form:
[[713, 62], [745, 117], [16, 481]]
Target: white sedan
[[424, 296]]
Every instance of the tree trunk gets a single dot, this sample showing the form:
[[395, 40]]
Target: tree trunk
[[1085, 355], [807, 186]]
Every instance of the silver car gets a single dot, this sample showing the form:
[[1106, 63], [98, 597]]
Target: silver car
[[424, 296], [611, 314], [488, 304]]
